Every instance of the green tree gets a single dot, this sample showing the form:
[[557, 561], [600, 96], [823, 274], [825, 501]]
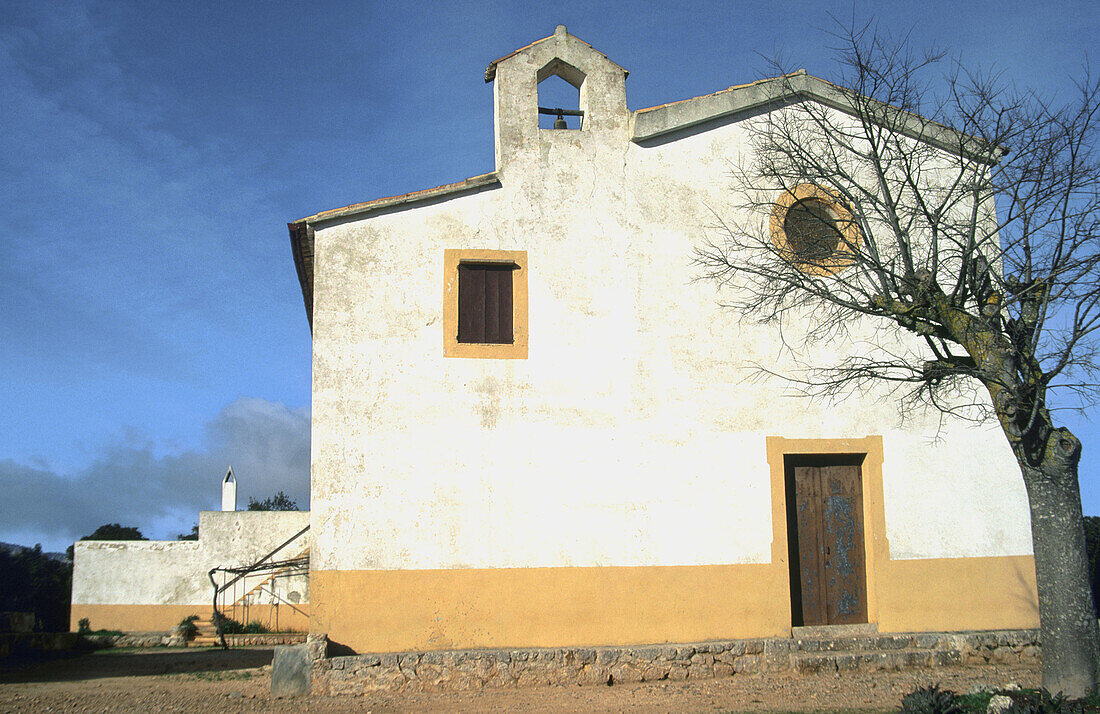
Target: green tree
[[279, 502], [969, 218], [110, 531], [193, 535], [31, 581], [114, 531]]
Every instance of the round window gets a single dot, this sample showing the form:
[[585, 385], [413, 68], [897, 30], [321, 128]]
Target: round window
[[811, 230], [814, 230]]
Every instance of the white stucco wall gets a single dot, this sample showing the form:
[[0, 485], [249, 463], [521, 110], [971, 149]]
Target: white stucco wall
[[175, 572], [631, 434]]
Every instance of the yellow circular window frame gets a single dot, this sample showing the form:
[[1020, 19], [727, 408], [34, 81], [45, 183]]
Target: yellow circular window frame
[[843, 256]]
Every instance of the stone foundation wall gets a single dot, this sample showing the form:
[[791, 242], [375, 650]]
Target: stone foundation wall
[[175, 638], [139, 639], [476, 669], [266, 640]]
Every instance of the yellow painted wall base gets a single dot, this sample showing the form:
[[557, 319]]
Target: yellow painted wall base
[[398, 610], [946, 594], [395, 610], [153, 618], [134, 618]]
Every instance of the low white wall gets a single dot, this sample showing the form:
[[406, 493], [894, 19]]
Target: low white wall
[[175, 572]]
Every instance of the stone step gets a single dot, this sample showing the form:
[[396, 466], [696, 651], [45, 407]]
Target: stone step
[[206, 635], [833, 631], [889, 661], [869, 643]]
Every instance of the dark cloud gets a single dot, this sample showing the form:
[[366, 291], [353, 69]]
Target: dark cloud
[[266, 443]]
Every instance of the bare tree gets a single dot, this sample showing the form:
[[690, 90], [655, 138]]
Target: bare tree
[[968, 218]]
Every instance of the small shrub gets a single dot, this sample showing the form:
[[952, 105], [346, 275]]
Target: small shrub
[[227, 625], [188, 626], [233, 627], [84, 626], [976, 703], [1040, 701], [931, 700], [255, 628]]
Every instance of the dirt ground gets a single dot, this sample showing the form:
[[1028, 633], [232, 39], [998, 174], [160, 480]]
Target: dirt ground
[[191, 680]]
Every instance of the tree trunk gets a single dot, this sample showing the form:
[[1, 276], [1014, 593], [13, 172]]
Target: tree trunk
[[1068, 627]]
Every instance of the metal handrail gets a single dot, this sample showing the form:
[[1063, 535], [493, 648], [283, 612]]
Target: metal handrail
[[282, 599], [241, 573], [288, 566], [248, 569]]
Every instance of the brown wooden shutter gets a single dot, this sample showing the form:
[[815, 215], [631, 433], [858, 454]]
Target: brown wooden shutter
[[471, 304], [485, 303], [504, 305]]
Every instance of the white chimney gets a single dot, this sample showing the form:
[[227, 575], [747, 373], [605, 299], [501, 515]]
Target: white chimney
[[229, 491]]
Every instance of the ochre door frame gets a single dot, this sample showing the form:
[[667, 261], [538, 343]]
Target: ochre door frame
[[875, 546]]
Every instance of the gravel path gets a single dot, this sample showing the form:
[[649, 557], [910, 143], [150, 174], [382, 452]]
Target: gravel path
[[197, 680]]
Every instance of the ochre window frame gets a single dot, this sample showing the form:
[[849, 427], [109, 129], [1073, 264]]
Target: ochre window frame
[[851, 238], [517, 349]]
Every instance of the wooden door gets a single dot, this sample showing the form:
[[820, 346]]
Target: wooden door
[[827, 560]]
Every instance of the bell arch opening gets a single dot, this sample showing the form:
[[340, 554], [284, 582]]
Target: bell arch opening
[[560, 86]]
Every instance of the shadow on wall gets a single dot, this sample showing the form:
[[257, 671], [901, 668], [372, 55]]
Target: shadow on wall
[[335, 649]]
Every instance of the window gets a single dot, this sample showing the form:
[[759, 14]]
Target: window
[[485, 304], [814, 230], [811, 230]]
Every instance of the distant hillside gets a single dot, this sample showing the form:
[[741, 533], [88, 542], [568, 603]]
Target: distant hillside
[[14, 549]]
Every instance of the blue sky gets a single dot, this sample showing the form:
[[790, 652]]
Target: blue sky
[[152, 153]]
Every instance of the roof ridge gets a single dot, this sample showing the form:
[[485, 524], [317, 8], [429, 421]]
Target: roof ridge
[[763, 80], [422, 194], [652, 122], [491, 70]]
